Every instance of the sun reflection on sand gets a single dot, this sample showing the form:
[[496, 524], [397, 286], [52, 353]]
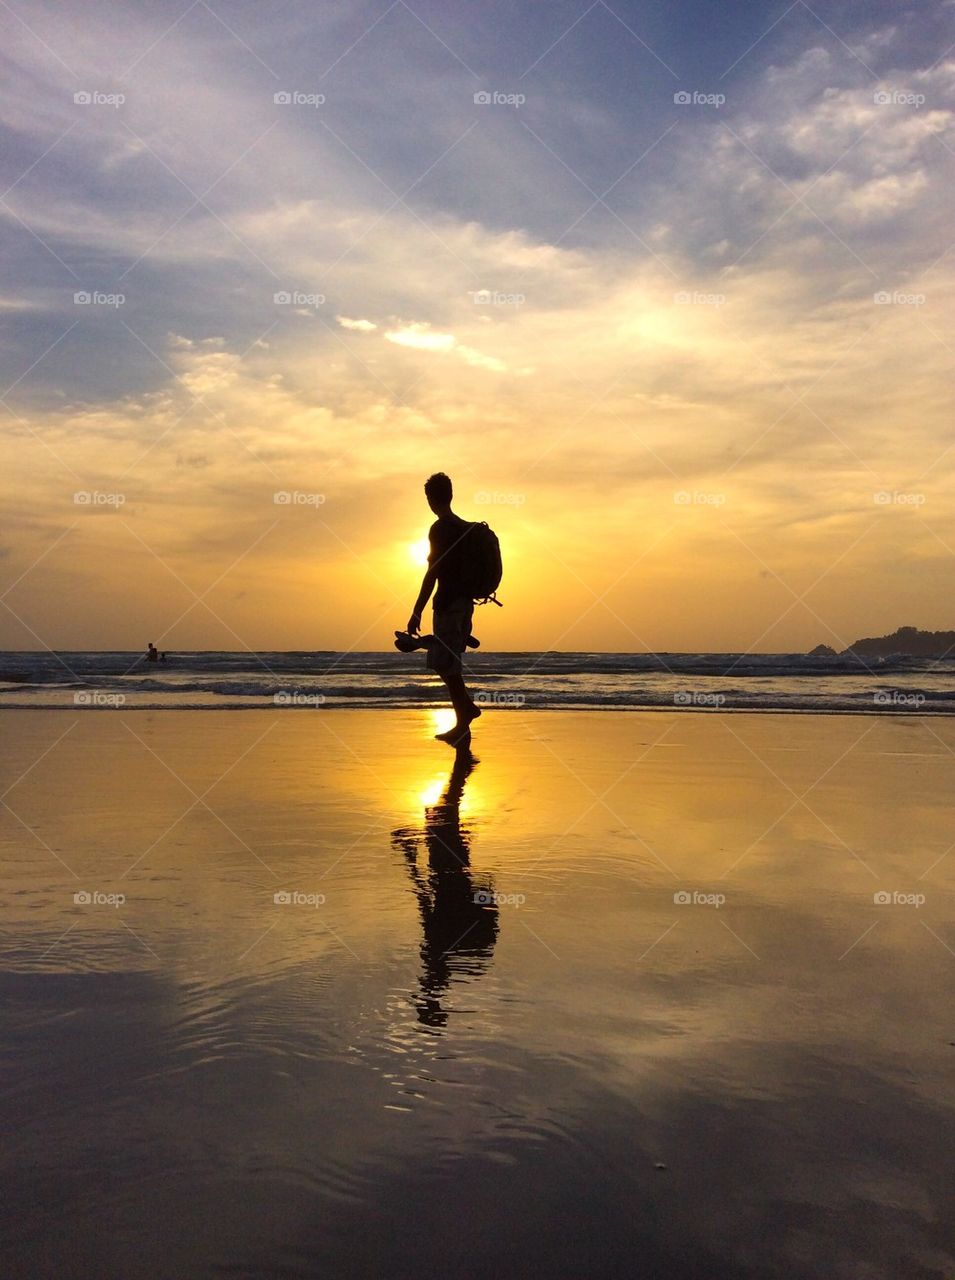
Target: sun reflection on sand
[[472, 802], [442, 719], [431, 793]]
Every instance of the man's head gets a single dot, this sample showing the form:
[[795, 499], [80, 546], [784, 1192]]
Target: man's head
[[438, 491]]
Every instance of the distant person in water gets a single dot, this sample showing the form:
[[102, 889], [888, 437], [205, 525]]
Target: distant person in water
[[453, 605], [152, 653], [162, 657]]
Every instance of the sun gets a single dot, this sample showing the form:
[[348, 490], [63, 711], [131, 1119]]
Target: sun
[[418, 551]]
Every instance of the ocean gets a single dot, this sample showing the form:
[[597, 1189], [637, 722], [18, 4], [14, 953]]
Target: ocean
[[310, 681]]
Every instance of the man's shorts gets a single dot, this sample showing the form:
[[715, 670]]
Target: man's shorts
[[452, 626]]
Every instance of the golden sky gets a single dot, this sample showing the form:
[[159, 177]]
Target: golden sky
[[691, 360]]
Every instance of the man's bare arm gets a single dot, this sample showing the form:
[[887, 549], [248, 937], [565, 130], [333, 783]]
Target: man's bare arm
[[424, 595]]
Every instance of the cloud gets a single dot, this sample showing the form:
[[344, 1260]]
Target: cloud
[[360, 326], [203, 366], [479, 360], [819, 163], [420, 336]]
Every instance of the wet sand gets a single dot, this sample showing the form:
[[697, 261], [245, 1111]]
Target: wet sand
[[637, 994]]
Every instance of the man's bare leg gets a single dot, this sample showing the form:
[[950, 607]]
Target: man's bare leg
[[465, 709]]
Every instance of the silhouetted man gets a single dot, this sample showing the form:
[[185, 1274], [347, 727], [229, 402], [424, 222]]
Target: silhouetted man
[[453, 604]]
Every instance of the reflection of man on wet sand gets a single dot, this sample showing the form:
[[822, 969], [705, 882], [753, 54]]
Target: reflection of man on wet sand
[[458, 916]]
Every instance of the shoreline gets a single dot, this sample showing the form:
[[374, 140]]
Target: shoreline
[[884, 712], [279, 974]]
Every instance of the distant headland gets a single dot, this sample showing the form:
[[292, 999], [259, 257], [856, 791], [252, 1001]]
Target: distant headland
[[907, 640]]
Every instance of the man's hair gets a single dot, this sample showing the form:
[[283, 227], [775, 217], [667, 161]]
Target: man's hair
[[438, 487]]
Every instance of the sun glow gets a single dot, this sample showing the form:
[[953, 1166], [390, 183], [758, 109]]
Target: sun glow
[[442, 718], [433, 792], [418, 551]]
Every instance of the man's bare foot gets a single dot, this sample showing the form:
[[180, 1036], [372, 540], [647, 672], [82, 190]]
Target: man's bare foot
[[460, 731], [458, 736]]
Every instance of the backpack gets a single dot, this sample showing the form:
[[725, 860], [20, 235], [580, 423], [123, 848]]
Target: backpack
[[483, 568]]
